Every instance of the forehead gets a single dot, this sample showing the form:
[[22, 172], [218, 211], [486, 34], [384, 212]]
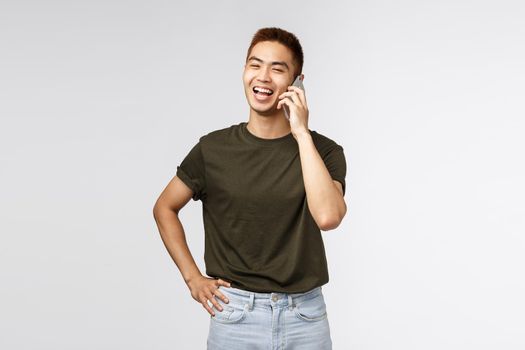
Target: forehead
[[271, 51]]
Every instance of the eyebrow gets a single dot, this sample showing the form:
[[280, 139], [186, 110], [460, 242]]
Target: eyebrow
[[274, 63]]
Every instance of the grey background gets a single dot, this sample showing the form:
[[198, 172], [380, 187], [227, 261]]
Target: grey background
[[101, 100]]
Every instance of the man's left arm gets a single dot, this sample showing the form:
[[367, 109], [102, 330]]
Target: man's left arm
[[323, 194]]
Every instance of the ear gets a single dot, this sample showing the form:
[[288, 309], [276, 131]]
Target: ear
[[302, 77]]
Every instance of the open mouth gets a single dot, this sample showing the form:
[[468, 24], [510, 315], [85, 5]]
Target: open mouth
[[262, 93]]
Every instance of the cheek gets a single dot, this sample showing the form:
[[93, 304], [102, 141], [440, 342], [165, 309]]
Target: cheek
[[248, 75], [247, 80]]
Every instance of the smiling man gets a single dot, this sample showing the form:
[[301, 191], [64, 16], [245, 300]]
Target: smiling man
[[268, 187]]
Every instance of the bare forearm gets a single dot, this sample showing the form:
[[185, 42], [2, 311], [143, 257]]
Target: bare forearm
[[325, 202], [172, 234]]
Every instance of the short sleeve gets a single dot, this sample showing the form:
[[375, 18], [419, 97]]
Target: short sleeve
[[192, 172], [335, 162]]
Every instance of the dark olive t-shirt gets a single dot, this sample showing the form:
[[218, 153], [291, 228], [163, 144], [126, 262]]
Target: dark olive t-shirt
[[259, 233]]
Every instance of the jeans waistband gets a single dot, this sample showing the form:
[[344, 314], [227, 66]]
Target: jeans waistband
[[242, 296]]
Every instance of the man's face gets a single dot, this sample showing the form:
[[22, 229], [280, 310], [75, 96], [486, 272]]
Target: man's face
[[269, 66]]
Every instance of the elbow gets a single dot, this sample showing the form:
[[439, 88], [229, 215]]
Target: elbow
[[328, 225], [161, 209], [331, 222], [157, 209], [155, 212]]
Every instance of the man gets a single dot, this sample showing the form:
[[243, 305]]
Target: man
[[267, 188]]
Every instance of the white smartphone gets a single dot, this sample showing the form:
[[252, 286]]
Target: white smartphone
[[299, 83]]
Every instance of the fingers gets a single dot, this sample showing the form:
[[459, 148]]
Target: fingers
[[217, 293], [293, 95], [296, 94], [224, 283], [210, 294], [215, 303], [204, 301], [300, 93], [286, 101], [222, 296]]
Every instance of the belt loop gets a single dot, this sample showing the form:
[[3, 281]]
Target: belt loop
[[252, 296], [290, 302]]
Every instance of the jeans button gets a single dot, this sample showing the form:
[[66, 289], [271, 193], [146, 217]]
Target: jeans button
[[275, 297]]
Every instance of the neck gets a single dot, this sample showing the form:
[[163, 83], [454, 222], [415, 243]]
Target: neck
[[268, 127]]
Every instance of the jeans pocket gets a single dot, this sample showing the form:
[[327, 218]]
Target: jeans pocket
[[231, 313], [311, 310]]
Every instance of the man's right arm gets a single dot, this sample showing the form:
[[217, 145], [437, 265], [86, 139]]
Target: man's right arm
[[166, 214], [174, 197]]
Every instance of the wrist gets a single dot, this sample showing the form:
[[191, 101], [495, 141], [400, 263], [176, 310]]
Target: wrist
[[303, 136], [189, 279]]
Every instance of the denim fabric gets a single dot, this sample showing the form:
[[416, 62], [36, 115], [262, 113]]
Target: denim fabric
[[270, 321]]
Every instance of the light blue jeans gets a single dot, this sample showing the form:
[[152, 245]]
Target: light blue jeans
[[270, 321]]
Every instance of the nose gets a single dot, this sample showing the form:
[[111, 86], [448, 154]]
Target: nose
[[263, 74]]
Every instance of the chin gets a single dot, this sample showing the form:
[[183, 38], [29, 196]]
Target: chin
[[262, 112]]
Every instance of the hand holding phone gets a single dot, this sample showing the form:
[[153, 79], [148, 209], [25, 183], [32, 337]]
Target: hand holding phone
[[299, 83]]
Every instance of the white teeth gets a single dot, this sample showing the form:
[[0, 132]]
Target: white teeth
[[263, 90]]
